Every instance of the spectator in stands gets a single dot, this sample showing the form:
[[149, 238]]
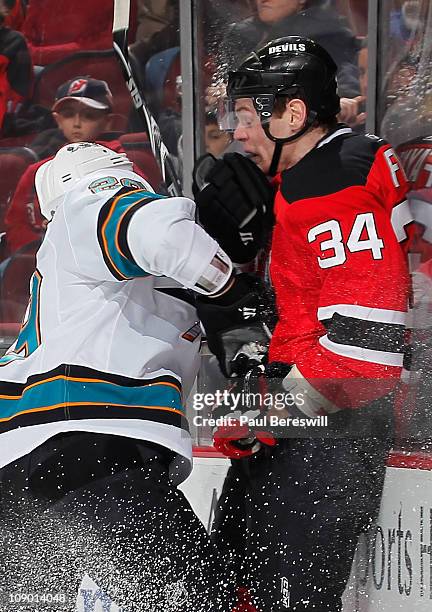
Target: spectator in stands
[[277, 18], [359, 123], [153, 16], [15, 67], [16, 13], [216, 140], [215, 16], [405, 20], [166, 37], [82, 111], [363, 67]]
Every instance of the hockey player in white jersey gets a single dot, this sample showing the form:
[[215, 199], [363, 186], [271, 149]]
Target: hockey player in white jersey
[[93, 434]]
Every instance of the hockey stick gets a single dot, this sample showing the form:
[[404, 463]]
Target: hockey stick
[[160, 152]]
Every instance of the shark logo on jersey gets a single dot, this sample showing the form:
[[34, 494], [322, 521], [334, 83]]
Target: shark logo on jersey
[[91, 598]]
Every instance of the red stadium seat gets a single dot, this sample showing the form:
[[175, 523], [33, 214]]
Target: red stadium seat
[[56, 28], [15, 274], [139, 151], [22, 140], [13, 162], [8, 333]]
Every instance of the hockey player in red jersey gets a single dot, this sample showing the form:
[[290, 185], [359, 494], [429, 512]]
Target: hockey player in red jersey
[[340, 277]]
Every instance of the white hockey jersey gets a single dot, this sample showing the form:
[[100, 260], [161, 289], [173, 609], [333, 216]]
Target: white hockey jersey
[[108, 345]]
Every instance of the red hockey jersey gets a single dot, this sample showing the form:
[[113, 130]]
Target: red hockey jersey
[[339, 269]]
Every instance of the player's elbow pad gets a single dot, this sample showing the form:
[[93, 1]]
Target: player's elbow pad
[[165, 240]]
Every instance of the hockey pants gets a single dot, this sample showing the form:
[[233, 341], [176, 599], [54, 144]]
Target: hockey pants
[[288, 520], [103, 507]]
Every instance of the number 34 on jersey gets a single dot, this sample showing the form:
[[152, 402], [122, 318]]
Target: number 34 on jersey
[[334, 246]]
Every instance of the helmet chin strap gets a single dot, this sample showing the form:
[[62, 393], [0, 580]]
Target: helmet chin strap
[[280, 142]]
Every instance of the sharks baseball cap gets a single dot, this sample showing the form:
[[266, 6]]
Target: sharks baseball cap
[[91, 92]]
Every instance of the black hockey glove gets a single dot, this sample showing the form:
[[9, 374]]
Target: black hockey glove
[[237, 318], [235, 203], [245, 431]]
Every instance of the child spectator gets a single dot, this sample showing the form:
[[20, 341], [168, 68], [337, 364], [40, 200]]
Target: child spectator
[[216, 140], [92, 98], [15, 67], [82, 111]]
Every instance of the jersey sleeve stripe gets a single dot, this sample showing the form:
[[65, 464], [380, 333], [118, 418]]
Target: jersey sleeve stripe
[[110, 220], [86, 373], [362, 354], [122, 228], [379, 315], [85, 389], [88, 412], [369, 335], [87, 403], [75, 379]]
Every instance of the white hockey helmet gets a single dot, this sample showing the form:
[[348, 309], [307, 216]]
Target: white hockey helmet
[[72, 163]]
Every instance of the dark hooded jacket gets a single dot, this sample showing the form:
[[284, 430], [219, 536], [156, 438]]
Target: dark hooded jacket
[[15, 71], [323, 25]]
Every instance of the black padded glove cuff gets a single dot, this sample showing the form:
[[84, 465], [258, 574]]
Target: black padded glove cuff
[[235, 201]]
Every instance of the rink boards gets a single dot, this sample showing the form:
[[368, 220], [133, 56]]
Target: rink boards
[[392, 570]]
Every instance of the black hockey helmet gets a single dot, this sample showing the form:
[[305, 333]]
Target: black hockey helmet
[[288, 66]]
